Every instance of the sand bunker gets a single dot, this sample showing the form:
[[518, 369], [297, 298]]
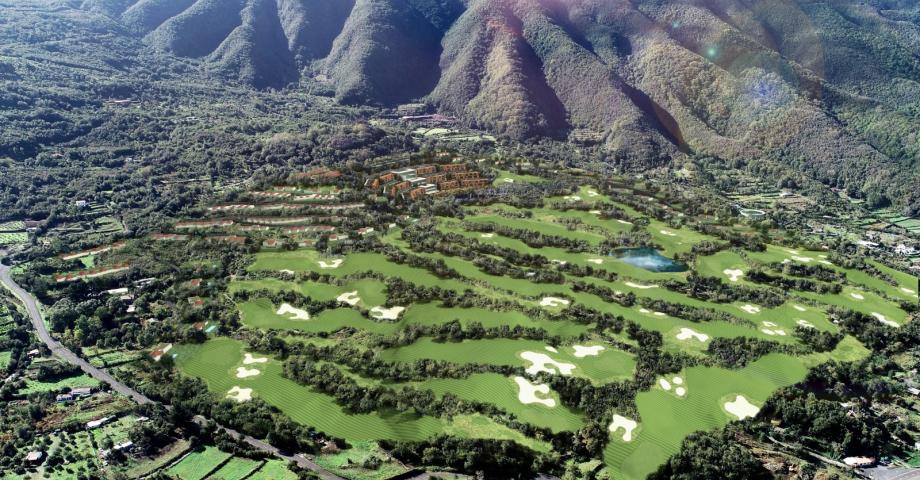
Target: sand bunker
[[595, 212], [639, 286], [556, 261], [592, 193], [659, 314], [292, 312], [884, 319], [857, 296], [508, 180], [551, 349], [626, 424], [907, 291], [248, 359], [802, 259], [677, 381], [680, 391], [733, 274], [752, 309], [800, 308], [596, 261], [486, 235], [289, 272], [768, 331], [645, 310], [804, 323], [333, 264], [554, 302], [243, 372], [592, 351], [668, 233], [624, 222], [770, 324], [541, 362], [240, 394], [741, 408], [382, 313], [664, 384], [350, 298], [687, 334], [825, 262], [572, 198], [528, 392]]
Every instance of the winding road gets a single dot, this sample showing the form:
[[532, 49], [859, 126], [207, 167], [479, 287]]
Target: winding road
[[68, 356]]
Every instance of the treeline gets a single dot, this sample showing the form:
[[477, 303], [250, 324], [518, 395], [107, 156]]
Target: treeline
[[488, 458], [529, 237], [757, 275], [713, 289]]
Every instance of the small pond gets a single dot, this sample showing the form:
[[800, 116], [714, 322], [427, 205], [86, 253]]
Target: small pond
[[650, 259]]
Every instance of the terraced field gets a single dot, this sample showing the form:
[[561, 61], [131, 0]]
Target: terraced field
[[528, 328]]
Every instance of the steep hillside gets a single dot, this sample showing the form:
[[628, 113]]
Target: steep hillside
[[829, 88]]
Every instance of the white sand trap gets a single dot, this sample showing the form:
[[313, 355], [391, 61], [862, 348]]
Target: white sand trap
[[825, 262], [596, 261], [528, 392], [592, 193], [857, 296], [664, 384], [907, 291], [554, 302], [539, 362], [770, 324], [741, 408], [786, 260], [240, 394], [350, 298], [508, 180], [551, 349], [292, 312], [659, 314], [677, 381], [794, 252], [243, 372], [780, 333], [626, 424], [382, 313], [668, 233], [799, 258], [800, 308], [333, 264], [624, 222], [752, 309], [289, 272], [582, 351], [884, 319], [645, 310], [687, 334], [804, 323], [680, 391], [248, 359], [486, 235], [595, 212], [572, 198], [640, 286], [556, 261], [733, 274]]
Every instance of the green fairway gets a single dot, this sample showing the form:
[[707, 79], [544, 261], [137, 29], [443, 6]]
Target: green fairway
[[503, 393], [217, 360], [607, 366], [371, 292], [262, 314], [667, 418]]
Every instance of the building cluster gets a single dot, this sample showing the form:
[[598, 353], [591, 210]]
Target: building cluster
[[415, 182]]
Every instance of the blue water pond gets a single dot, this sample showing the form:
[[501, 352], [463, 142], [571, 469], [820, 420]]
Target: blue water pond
[[649, 259]]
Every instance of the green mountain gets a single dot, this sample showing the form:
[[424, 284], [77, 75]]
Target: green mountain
[[827, 88]]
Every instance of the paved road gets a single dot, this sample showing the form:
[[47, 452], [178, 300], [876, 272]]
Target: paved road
[[68, 356]]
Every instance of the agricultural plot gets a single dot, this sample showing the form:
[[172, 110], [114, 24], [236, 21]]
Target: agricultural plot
[[13, 238], [273, 470], [236, 469], [197, 465]]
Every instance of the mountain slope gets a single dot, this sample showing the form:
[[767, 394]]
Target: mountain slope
[[829, 88]]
